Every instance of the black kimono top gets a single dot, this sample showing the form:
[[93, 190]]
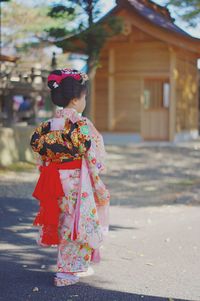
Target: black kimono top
[[61, 145]]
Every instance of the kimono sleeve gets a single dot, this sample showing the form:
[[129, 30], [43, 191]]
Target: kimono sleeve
[[95, 163], [80, 137], [37, 138]]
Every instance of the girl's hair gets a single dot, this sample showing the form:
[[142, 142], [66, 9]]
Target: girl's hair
[[65, 85]]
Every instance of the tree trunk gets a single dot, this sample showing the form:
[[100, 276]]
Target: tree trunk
[[91, 71]]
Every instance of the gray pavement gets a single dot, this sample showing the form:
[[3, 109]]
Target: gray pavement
[[152, 251]]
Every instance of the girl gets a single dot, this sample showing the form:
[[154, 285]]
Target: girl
[[73, 200]]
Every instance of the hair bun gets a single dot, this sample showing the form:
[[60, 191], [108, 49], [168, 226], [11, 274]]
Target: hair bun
[[53, 79], [56, 76]]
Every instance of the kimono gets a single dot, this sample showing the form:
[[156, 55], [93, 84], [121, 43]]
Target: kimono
[[83, 200]]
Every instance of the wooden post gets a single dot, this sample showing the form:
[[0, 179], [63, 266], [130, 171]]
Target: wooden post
[[172, 106], [111, 88], [141, 106]]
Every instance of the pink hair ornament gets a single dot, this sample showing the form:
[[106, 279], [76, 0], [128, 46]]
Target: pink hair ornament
[[57, 76]]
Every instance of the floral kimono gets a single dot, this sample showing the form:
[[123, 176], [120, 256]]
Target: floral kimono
[[81, 202]]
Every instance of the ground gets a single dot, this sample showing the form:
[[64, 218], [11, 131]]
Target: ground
[[152, 251]]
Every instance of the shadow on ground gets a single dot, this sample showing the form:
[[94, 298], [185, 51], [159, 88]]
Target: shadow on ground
[[24, 266], [153, 176], [136, 177], [17, 285]]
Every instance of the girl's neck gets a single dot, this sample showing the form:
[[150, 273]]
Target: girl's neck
[[70, 107]]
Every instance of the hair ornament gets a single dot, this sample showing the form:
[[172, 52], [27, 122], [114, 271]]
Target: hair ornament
[[57, 76]]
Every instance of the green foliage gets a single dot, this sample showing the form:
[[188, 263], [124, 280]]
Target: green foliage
[[61, 11], [189, 10], [97, 34], [91, 34]]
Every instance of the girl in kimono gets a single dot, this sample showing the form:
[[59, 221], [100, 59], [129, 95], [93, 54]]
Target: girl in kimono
[[74, 202]]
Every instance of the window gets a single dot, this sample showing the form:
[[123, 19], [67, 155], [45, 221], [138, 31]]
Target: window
[[156, 94], [166, 95]]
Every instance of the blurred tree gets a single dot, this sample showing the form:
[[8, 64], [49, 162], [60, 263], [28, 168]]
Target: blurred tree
[[25, 25], [90, 33], [190, 10], [93, 34]]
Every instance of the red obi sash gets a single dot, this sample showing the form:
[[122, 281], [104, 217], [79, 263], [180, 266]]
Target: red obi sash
[[48, 191]]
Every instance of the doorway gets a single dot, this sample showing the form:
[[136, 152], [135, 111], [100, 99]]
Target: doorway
[[155, 109]]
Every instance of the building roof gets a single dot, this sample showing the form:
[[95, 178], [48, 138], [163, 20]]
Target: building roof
[[156, 14], [156, 20], [151, 18]]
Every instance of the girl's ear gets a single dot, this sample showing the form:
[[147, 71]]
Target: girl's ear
[[74, 101]]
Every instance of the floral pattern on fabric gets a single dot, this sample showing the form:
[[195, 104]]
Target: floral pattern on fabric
[[73, 256], [89, 227], [61, 145], [82, 184]]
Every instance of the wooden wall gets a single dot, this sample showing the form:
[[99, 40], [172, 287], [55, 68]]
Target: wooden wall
[[143, 58], [135, 59], [186, 92], [127, 62], [127, 103]]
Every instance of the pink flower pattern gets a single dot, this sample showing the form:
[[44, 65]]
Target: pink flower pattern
[[75, 256]]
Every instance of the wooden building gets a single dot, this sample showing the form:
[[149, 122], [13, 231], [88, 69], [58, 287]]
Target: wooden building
[[148, 80]]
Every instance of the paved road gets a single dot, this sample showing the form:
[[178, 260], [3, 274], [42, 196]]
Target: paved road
[[153, 248]]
